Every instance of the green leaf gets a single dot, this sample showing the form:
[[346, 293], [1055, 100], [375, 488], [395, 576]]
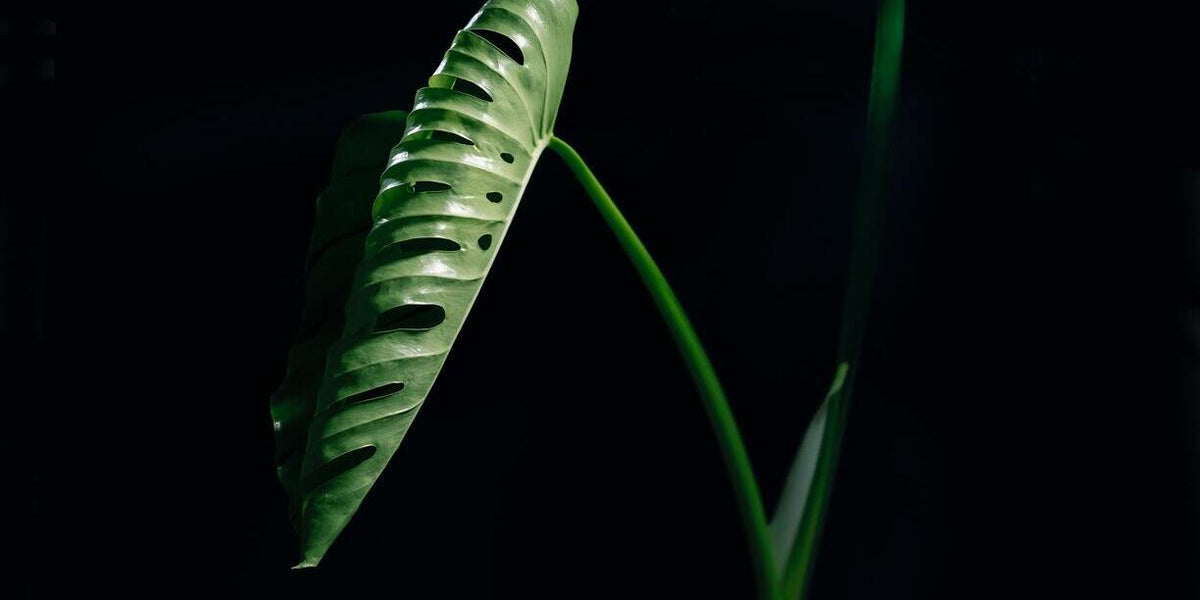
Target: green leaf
[[447, 197], [801, 513], [342, 221], [792, 527]]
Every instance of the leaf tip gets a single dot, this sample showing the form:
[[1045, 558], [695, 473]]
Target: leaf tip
[[307, 563]]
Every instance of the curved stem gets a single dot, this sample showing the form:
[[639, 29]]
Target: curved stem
[[733, 451]]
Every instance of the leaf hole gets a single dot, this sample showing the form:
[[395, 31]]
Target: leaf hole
[[485, 242], [495, 196], [470, 89], [371, 394], [506, 157], [430, 186], [338, 466], [446, 136], [419, 246], [410, 317], [503, 43]]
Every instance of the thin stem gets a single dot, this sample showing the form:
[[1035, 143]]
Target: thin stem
[[864, 255], [733, 451]]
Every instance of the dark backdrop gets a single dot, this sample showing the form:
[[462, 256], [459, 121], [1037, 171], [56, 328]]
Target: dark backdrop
[[1025, 423]]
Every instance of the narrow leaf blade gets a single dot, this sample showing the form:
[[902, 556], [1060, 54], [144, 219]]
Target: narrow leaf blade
[[819, 472], [785, 524]]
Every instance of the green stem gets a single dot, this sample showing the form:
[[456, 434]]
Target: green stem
[[864, 255], [733, 451]]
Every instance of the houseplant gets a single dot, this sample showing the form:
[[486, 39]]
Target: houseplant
[[421, 248]]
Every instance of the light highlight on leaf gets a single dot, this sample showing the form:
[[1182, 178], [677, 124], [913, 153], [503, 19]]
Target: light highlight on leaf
[[472, 140]]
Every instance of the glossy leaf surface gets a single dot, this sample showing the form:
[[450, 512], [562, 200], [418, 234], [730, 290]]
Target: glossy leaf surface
[[446, 199]]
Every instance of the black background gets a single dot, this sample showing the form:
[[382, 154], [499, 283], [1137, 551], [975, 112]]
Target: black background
[[1025, 423]]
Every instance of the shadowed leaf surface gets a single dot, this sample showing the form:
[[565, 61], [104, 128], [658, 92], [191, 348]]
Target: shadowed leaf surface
[[342, 221]]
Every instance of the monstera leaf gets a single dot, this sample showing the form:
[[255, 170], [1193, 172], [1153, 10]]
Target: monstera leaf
[[343, 219], [446, 199]]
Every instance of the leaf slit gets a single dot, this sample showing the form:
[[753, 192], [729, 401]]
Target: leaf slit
[[447, 136], [430, 186], [471, 89], [338, 466], [418, 246], [410, 317], [503, 43], [372, 394]]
